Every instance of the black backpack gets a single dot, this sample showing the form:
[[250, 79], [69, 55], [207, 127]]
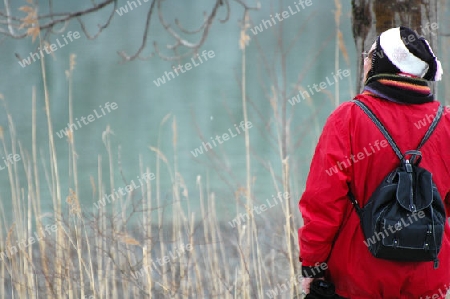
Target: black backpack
[[404, 218]]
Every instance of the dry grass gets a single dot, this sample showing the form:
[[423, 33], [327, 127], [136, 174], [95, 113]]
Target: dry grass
[[103, 254], [112, 252]]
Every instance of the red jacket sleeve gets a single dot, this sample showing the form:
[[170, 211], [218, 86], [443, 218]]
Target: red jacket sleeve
[[323, 202]]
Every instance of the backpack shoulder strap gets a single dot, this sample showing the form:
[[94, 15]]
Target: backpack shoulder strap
[[354, 202], [433, 126], [380, 126]]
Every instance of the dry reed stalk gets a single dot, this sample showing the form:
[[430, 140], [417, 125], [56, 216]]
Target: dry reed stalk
[[198, 275], [158, 145], [208, 233], [72, 199], [112, 285], [31, 287], [176, 207], [2, 248], [36, 199], [56, 192], [2, 242], [223, 260], [149, 227], [107, 286], [337, 20], [189, 281], [214, 262], [99, 242], [126, 243], [107, 261], [91, 267], [249, 202]]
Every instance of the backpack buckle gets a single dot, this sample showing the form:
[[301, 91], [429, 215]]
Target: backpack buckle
[[408, 166], [416, 157]]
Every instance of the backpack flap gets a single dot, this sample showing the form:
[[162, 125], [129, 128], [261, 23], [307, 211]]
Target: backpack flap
[[404, 219], [410, 197]]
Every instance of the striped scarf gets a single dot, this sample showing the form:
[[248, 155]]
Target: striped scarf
[[400, 88]]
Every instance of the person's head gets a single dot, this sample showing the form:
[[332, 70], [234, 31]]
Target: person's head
[[401, 50]]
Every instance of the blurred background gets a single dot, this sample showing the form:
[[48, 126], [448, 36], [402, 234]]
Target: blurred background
[[255, 69]]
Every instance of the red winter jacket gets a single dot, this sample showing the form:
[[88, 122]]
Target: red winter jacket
[[332, 233]]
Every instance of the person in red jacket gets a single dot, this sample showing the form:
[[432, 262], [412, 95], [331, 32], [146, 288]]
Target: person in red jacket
[[351, 151]]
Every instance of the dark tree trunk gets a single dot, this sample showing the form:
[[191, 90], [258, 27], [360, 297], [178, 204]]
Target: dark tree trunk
[[370, 18]]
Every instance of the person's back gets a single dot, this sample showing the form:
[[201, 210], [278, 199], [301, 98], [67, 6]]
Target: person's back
[[353, 152]]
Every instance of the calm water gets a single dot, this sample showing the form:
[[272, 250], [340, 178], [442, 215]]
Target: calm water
[[204, 100]]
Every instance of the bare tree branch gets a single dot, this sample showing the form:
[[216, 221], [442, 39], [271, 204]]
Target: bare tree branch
[[53, 22], [144, 38]]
